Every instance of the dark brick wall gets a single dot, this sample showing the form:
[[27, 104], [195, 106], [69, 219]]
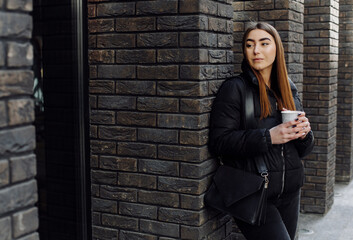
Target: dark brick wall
[[18, 188], [154, 69], [344, 158], [320, 101]]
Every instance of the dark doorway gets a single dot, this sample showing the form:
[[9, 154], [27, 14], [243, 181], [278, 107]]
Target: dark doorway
[[61, 98]]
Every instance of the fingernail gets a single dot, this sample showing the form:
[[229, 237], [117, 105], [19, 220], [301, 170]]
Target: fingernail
[[299, 114], [296, 119], [303, 128], [294, 126], [296, 132]]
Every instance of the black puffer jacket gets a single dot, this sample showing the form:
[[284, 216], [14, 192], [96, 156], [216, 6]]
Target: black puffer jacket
[[237, 145]]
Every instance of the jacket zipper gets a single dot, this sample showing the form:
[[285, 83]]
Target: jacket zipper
[[284, 171]]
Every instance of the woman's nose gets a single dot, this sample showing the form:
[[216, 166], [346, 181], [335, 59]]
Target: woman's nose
[[256, 50]]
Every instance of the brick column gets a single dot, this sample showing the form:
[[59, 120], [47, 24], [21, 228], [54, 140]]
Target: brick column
[[154, 69], [320, 101], [344, 157], [18, 188], [287, 17]]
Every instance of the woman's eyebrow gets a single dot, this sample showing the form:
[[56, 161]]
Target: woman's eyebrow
[[262, 39]]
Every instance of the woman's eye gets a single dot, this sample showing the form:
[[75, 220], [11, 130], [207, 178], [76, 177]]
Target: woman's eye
[[265, 44], [248, 45]]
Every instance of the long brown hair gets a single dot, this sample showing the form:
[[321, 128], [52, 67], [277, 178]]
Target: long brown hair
[[279, 77]]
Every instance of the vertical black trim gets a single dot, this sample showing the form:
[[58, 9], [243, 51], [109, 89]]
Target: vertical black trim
[[79, 8]]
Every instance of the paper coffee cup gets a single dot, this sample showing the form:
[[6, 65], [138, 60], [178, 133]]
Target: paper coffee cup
[[288, 115]]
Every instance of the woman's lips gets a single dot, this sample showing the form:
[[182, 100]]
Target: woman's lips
[[257, 59]]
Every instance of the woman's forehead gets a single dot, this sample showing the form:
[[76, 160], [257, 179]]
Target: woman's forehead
[[258, 34]]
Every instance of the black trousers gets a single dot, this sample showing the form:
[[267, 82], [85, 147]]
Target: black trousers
[[281, 220]]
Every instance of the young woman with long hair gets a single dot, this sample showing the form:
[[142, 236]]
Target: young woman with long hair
[[281, 145]]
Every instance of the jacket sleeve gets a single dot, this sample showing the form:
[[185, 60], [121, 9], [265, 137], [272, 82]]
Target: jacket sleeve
[[306, 145], [226, 136]]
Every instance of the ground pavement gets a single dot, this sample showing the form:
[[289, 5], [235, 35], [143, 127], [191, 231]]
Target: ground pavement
[[337, 224]]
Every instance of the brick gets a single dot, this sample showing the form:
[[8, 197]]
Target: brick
[[2, 54], [17, 140], [21, 5], [224, 10], [169, 39], [101, 86], [172, 152], [160, 228], [102, 205], [103, 177], [103, 147], [198, 170], [94, 161], [115, 40], [192, 202], [217, 56], [182, 88], [5, 228], [100, 56], [198, 39], [118, 163], [217, 24], [20, 111], [199, 72], [135, 56], [183, 121], [125, 235], [138, 210], [91, 10], [115, 9], [137, 24], [136, 87], [117, 102], [23, 167], [137, 149], [3, 113], [117, 221], [19, 54], [182, 23], [104, 233], [136, 119], [18, 196], [180, 216], [182, 55], [4, 173], [157, 135], [157, 104], [25, 222], [102, 117], [137, 180], [118, 193], [117, 133], [116, 71], [157, 7], [158, 167], [157, 72], [196, 105], [159, 198], [21, 25], [100, 25], [198, 138], [182, 185]]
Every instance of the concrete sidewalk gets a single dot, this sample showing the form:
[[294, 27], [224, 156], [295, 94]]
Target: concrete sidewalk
[[337, 224]]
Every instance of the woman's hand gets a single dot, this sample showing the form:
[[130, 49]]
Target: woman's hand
[[292, 130]]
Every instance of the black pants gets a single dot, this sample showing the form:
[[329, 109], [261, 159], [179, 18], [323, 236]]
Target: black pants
[[281, 220]]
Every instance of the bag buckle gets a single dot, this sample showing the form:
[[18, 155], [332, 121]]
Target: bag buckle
[[265, 176]]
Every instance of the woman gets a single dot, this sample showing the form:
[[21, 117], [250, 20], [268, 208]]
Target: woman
[[281, 145]]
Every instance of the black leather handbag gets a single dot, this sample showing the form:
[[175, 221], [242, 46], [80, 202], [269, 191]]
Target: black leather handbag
[[237, 192]]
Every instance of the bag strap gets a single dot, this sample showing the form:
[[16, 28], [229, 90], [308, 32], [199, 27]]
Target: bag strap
[[250, 122]]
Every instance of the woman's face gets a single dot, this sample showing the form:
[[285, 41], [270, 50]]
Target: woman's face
[[260, 50]]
